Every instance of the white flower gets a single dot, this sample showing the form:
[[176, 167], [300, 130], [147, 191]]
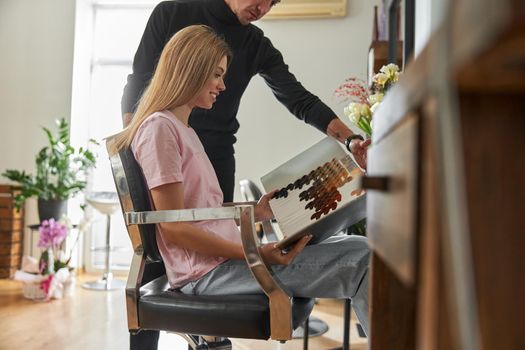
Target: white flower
[[391, 70], [365, 111], [374, 107], [375, 98], [380, 79], [356, 111], [352, 112]]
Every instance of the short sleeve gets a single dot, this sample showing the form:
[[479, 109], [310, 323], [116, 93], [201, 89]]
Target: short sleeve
[[156, 148]]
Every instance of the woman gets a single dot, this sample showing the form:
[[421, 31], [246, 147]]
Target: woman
[[207, 257]]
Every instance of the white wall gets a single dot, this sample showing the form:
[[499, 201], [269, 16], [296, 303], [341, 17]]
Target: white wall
[[36, 41], [321, 53], [36, 61], [429, 15]]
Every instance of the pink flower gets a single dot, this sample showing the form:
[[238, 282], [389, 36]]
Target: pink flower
[[52, 234], [353, 89], [45, 284]]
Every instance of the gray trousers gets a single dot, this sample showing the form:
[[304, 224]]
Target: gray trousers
[[336, 268]]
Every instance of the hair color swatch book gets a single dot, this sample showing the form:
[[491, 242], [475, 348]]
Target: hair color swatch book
[[318, 193]]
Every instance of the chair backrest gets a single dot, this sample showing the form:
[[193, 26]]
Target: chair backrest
[[134, 196], [249, 190]]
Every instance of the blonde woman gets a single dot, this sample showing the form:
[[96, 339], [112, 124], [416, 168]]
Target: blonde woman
[[207, 257]]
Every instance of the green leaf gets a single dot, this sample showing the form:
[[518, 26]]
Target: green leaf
[[60, 169]]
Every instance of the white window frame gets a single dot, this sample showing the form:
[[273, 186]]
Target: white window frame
[[85, 64]]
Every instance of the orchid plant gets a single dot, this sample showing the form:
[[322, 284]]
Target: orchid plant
[[52, 236]]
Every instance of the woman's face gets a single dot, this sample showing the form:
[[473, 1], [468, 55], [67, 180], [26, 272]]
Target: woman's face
[[213, 87]]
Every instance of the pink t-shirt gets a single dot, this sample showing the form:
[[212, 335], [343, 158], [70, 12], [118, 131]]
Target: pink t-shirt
[[169, 151]]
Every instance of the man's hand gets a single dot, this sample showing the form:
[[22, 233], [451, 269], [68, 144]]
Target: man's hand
[[275, 256], [359, 149], [339, 131]]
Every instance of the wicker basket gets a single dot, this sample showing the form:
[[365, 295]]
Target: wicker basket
[[33, 291]]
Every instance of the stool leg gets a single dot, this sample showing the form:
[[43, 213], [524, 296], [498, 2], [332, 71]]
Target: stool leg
[[306, 331], [106, 282], [346, 331], [346, 326], [108, 276]]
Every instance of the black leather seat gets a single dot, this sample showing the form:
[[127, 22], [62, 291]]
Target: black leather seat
[[229, 315], [152, 305]]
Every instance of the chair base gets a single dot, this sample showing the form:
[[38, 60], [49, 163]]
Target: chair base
[[105, 284], [316, 327], [222, 344]]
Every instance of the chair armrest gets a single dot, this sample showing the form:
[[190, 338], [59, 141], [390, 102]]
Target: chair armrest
[[280, 302], [201, 214], [234, 204]]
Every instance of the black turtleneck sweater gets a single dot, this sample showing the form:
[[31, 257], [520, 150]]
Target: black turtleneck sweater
[[253, 53]]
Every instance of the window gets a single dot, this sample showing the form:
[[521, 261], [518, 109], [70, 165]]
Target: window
[[106, 38]]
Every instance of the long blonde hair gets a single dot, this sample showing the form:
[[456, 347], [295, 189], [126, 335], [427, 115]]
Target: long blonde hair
[[186, 63]]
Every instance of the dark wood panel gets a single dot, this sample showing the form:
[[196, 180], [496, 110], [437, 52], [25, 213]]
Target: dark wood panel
[[12, 248], [8, 225], [493, 130], [10, 260], [392, 309], [391, 224], [11, 236]]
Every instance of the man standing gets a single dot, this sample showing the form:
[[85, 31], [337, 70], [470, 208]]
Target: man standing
[[253, 53]]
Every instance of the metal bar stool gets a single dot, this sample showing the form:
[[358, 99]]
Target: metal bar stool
[[106, 203]]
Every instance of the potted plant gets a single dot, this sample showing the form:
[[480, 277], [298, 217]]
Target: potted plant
[[59, 175], [50, 276]]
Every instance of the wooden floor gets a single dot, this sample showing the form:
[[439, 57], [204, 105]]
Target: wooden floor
[[97, 320]]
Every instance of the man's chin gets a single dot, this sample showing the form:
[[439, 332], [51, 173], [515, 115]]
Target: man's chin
[[247, 20]]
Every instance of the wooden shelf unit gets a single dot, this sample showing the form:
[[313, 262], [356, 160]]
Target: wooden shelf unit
[[462, 103], [11, 232]]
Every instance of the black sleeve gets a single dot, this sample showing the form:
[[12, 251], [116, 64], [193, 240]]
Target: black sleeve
[[153, 40], [291, 93]]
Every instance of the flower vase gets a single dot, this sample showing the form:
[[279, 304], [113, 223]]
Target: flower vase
[[46, 264], [69, 286], [33, 291], [51, 208]]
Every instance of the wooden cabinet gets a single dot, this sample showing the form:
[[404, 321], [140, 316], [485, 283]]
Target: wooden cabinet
[[11, 233], [392, 207], [445, 197]]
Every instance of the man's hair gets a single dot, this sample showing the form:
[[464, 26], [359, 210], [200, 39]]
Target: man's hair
[[186, 63]]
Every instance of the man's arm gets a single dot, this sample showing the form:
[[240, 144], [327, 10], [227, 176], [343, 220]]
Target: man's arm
[[339, 131], [151, 45], [303, 104]]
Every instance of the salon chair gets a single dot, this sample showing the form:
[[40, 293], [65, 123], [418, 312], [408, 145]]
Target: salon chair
[[204, 321]]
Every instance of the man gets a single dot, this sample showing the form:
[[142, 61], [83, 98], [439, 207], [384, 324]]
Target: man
[[253, 53]]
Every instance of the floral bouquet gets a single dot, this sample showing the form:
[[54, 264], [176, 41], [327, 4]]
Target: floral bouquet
[[365, 100], [50, 276]]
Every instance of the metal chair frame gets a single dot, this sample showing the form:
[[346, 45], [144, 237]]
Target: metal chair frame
[[280, 303]]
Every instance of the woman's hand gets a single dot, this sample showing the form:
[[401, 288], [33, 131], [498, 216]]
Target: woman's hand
[[275, 256], [263, 211]]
